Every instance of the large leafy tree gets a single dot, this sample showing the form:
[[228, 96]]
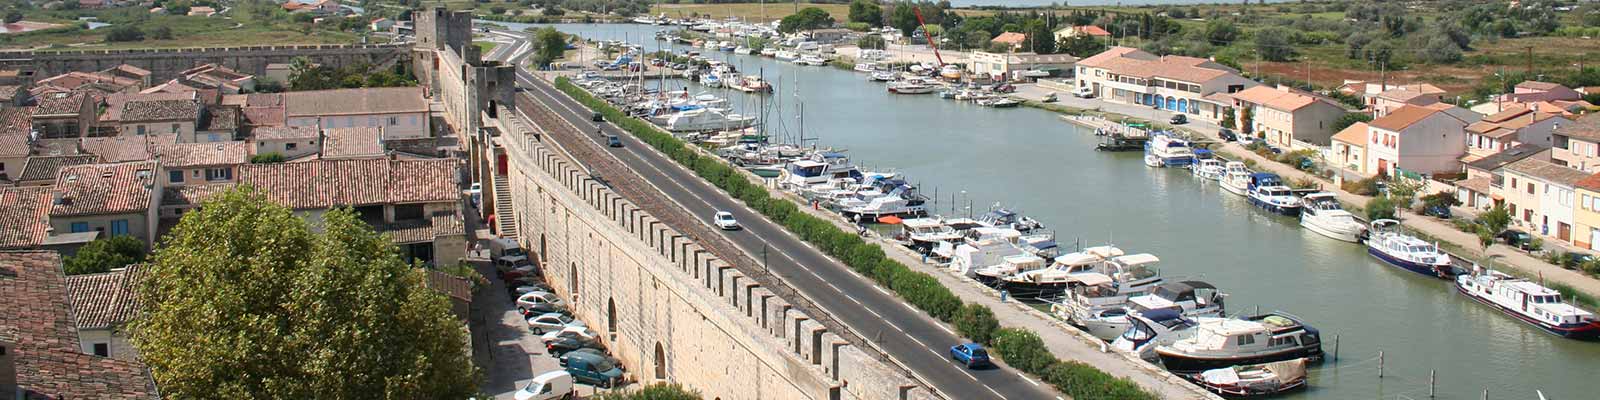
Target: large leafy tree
[[102, 255], [1040, 38], [244, 301], [866, 11], [550, 46], [808, 18]]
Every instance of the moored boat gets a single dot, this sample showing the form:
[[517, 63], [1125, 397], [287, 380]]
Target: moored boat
[[1210, 169], [1386, 242], [1321, 212], [1236, 178], [1149, 330], [1254, 380], [1165, 150], [1268, 192], [1226, 342], [1530, 303]]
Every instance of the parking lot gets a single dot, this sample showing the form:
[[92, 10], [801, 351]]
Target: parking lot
[[515, 354]]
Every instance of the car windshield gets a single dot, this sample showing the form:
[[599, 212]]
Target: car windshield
[[980, 353], [564, 319], [604, 365]]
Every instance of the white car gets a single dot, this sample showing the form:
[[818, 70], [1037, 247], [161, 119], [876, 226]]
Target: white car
[[581, 332], [1083, 92], [553, 322], [725, 220], [547, 386], [536, 298]]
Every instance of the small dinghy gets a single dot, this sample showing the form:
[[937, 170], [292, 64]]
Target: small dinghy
[[1254, 380]]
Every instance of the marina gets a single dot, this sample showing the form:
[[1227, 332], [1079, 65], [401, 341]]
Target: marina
[[967, 157]]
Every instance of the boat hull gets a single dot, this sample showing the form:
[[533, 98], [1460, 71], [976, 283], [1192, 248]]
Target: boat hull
[[1589, 331], [1177, 362], [1235, 189], [1436, 271], [1274, 208], [1025, 290], [1106, 329]]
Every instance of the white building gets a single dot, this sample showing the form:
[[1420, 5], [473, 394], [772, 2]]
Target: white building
[[1186, 85]]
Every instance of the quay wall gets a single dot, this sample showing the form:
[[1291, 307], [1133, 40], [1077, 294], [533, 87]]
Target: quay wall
[[665, 306], [165, 64]]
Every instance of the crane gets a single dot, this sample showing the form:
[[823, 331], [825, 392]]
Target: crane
[[925, 34]]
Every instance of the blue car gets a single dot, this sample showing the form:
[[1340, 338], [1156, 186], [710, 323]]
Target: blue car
[[971, 354]]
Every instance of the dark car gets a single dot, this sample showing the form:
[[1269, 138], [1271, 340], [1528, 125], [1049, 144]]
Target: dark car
[[1439, 211], [566, 344], [1179, 119], [1577, 260], [1517, 239], [1227, 135], [971, 354], [593, 369], [597, 117], [542, 309], [613, 141]]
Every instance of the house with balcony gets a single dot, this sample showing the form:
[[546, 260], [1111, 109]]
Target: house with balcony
[[1577, 144], [107, 199], [416, 202], [1415, 140], [1485, 180], [197, 163], [1509, 128], [1287, 117], [1197, 87], [1541, 196]]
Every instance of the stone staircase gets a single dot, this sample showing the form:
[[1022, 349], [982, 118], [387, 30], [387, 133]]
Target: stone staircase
[[505, 218]]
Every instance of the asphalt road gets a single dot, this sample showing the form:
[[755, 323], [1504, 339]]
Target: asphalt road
[[906, 334]]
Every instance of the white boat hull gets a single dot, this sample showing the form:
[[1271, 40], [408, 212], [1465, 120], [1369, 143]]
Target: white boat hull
[[1238, 189], [1347, 234]]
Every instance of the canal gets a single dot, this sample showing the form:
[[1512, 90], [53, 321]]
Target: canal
[[1030, 160]]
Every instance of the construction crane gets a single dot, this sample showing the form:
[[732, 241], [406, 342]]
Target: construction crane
[[925, 34]]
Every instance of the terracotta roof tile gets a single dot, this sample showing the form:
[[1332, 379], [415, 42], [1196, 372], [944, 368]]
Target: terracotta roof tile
[[1115, 53], [356, 142], [1010, 38], [1354, 134], [1402, 118], [118, 148], [264, 116], [115, 102], [424, 230], [104, 189], [183, 155], [393, 100], [1276, 98], [1547, 171], [14, 145], [1515, 153], [45, 168], [220, 118], [192, 194], [161, 110], [1586, 127], [327, 183], [285, 132], [60, 104], [44, 342], [16, 120], [24, 216], [105, 300]]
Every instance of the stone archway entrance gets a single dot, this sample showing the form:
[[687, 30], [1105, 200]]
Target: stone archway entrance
[[661, 362]]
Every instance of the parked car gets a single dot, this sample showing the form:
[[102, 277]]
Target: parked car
[[535, 298], [562, 345], [1179, 119], [541, 309], [540, 324], [1576, 260], [1084, 93], [613, 141], [971, 354], [724, 220], [577, 332], [525, 288], [547, 386], [1227, 135], [592, 369], [597, 117], [1517, 239], [588, 350], [1437, 210]]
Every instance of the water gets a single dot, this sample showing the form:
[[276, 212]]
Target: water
[[1030, 160], [1080, 3]]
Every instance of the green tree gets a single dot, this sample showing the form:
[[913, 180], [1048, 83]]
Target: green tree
[[1485, 237], [244, 301], [12, 16], [105, 254], [125, 33], [976, 322], [1440, 50], [872, 42], [1380, 208], [161, 32], [656, 391], [867, 12], [267, 158], [1273, 44], [1496, 219], [1081, 46], [551, 46], [1346, 120], [806, 19], [1040, 39], [904, 18], [1221, 32]]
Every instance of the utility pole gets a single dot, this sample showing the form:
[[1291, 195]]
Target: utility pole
[[1530, 60]]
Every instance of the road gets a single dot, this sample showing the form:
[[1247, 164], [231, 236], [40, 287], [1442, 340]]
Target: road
[[911, 337]]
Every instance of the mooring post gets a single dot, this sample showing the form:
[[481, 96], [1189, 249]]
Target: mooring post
[[1380, 364], [1433, 374], [1336, 347]]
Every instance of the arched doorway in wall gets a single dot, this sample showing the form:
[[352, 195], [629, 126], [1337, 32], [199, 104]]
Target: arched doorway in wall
[[661, 362], [611, 315], [572, 280]]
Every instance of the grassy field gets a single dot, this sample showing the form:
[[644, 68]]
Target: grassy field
[[747, 11], [187, 31], [485, 47]]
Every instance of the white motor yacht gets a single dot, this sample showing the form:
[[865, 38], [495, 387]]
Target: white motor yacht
[[1191, 299], [884, 76], [1321, 212], [1386, 242], [1167, 150], [925, 234], [1150, 330], [972, 255], [1210, 168], [1235, 178], [866, 67], [1226, 342], [785, 55], [1065, 272], [769, 51], [704, 119], [1009, 265], [811, 60], [1268, 192]]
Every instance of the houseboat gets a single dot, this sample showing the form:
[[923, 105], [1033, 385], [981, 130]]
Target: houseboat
[[1235, 178], [1226, 342], [1529, 302], [1321, 212], [1210, 169], [1166, 150], [1268, 192]]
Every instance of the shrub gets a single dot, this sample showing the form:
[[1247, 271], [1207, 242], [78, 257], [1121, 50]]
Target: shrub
[[1023, 350], [1364, 187], [267, 158], [105, 254], [977, 322], [1380, 208]]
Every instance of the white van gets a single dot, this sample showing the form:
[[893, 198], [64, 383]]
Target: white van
[[1083, 92], [547, 386]]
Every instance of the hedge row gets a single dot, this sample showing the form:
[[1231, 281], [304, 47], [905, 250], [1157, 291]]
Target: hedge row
[[974, 321]]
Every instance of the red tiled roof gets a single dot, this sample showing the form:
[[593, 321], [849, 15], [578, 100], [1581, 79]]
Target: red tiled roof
[[118, 148], [1402, 118], [45, 168], [60, 104], [24, 216], [105, 300], [424, 231], [16, 120], [44, 345], [14, 145], [388, 100], [354, 142], [184, 155], [327, 183], [1276, 98], [192, 194], [105, 189], [1010, 38], [285, 132], [1091, 30]]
